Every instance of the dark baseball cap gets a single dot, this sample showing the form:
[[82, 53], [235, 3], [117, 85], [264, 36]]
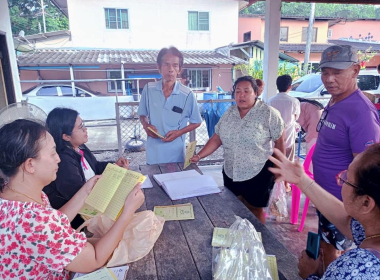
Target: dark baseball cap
[[339, 57]]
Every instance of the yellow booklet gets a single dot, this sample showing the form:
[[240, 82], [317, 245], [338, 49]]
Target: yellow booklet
[[111, 190], [190, 149]]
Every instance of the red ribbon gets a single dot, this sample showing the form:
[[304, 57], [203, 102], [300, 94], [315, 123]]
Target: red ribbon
[[82, 159]]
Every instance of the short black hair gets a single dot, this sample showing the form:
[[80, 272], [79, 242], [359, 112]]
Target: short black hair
[[283, 82], [245, 79], [172, 50], [61, 121], [367, 176], [19, 140]]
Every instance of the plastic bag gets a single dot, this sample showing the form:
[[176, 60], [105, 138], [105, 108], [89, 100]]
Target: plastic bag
[[278, 208], [138, 239], [244, 258]]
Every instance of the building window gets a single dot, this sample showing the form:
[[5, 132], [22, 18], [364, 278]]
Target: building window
[[116, 18], [284, 34], [329, 33], [199, 78], [199, 21], [304, 34], [247, 37]]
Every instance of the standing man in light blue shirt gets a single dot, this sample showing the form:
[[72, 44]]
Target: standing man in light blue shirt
[[170, 109]]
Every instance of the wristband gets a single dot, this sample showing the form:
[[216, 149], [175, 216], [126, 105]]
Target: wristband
[[199, 157], [308, 186]]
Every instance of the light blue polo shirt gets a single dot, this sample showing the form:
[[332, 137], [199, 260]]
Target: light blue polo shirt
[[160, 112]]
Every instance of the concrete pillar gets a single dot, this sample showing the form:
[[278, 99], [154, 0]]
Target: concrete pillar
[[271, 46], [123, 77]]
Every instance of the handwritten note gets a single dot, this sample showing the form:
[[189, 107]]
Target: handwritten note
[[155, 132], [272, 263], [175, 212], [189, 153]]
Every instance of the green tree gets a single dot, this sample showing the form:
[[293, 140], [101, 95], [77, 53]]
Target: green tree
[[26, 15], [348, 11]]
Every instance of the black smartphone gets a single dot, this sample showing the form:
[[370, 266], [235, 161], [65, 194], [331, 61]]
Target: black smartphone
[[177, 109], [312, 246]]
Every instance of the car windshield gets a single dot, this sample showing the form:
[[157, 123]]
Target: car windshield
[[309, 84], [368, 82]]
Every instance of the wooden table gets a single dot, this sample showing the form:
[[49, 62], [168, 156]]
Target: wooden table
[[183, 250]]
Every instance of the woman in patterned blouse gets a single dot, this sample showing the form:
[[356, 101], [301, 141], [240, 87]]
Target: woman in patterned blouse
[[357, 217], [247, 131], [37, 241]]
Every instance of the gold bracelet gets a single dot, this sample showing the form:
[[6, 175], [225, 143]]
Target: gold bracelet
[[199, 157], [312, 181]]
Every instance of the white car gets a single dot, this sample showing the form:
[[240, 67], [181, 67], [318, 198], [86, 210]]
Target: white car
[[311, 86], [89, 104]]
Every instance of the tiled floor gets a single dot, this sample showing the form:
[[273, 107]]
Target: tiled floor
[[287, 233]]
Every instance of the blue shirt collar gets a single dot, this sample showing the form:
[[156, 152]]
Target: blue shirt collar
[[175, 89]]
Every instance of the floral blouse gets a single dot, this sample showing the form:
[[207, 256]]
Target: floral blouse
[[37, 242], [356, 264], [247, 142]]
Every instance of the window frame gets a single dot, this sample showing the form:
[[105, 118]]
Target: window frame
[[198, 21], [250, 36], [110, 83], [199, 69], [287, 33], [118, 19], [305, 34], [329, 33]]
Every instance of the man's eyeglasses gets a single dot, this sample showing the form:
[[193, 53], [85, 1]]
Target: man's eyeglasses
[[323, 117], [341, 179]]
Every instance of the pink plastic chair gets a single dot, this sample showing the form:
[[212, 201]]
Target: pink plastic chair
[[296, 195]]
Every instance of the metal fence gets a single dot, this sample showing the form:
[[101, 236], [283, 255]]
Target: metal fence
[[132, 137]]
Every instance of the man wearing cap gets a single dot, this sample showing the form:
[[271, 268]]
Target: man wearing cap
[[348, 125]]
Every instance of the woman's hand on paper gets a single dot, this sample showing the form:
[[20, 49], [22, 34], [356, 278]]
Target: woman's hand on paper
[[286, 170], [134, 199], [122, 162], [89, 185]]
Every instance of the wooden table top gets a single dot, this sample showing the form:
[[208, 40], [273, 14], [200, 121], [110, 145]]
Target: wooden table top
[[183, 250]]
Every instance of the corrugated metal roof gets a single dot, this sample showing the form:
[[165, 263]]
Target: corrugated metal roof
[[84, 56], [315, 48], [359, 45]]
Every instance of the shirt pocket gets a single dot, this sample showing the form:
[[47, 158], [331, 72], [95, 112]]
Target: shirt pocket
[[255, 132], [171, 118]]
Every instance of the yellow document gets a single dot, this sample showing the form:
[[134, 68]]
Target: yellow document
[[111, 190], [175, 212], [189, 153], [155, 132], [220, 237], [272, 263], [101, 274]]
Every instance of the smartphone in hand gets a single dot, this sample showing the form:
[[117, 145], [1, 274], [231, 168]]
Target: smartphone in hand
[[312, 246]]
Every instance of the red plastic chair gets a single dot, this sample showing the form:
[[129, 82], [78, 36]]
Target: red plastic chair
[[296, 194]]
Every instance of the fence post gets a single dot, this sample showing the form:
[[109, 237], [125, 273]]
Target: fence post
[[118, 129], [192, 136]]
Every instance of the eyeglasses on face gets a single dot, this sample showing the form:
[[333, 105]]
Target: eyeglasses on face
[[323, 117], [341, 179], [82, 127]]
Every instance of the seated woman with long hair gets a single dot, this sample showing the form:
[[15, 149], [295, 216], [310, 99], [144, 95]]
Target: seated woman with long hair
[[357, 217], [77, 164], [37, 241]]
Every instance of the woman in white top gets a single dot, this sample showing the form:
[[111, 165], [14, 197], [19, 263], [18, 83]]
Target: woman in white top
[[247, 131]]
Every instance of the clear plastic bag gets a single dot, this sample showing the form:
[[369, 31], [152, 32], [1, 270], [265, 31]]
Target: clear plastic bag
[[278, 208], [244, 256]]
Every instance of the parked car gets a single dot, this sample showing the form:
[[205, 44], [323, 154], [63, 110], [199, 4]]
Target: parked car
[[311, 86], [91, 105]]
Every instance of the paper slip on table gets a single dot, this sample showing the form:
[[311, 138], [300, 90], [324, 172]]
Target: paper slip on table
[[183, 250]]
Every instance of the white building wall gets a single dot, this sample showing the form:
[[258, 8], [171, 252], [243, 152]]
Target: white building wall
[[5, 28], [153, 24]]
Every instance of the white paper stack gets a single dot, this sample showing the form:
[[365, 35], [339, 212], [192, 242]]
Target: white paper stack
[[190, 187], [159, 178]]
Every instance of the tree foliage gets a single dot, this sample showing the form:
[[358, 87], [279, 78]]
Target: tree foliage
[[26, 15], [348, 11]]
